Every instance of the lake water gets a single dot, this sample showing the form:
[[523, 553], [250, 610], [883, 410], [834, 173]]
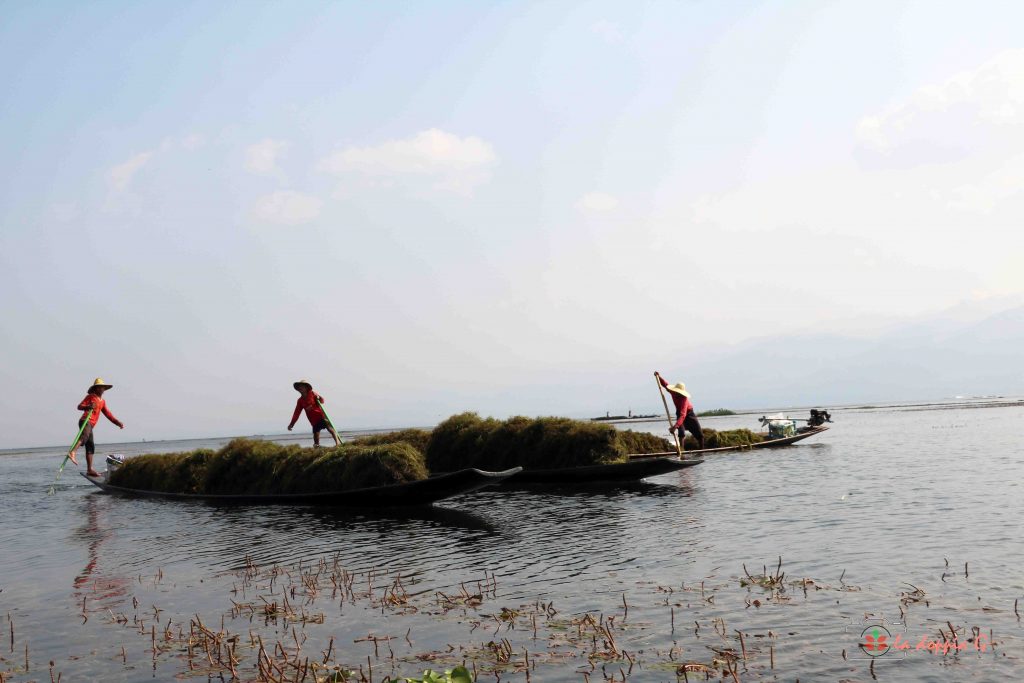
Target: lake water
[[907, 518]]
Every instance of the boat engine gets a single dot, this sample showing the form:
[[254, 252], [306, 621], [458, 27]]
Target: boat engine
[[818, 418]]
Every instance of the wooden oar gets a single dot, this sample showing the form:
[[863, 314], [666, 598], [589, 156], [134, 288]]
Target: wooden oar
[[74, 445], [661, 390]]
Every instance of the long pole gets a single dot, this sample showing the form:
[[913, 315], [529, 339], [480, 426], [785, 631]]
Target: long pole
[[668, 415], [74, 445], [327, 417]]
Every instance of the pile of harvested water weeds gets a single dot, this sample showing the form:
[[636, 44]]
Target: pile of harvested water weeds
[[251, 467]]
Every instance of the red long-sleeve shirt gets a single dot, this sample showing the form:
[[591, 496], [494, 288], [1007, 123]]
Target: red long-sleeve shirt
[[98, 406], [310, 405], [683, 405]]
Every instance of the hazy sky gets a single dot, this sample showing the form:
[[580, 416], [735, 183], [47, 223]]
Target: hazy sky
[[506, 207]]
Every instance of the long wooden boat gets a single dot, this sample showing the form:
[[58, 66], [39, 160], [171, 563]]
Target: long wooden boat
[[630, 471], [767, 443], [423, 492]]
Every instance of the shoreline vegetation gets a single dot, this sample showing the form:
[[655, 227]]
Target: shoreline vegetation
[[717, 412], [623, 418]]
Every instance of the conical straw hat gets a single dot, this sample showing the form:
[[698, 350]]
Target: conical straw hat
[[679, 388]]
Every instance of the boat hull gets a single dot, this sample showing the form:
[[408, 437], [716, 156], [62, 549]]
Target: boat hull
[[416, 493], [633, 470], [762, 445]]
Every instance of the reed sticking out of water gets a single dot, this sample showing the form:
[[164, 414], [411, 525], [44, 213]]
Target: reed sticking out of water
[[246, 466]]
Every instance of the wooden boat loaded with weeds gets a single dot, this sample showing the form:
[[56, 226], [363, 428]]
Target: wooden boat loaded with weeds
[[260, 472], [782, 431], [636, 468], [415, 493], [409, 467], [550, 450]]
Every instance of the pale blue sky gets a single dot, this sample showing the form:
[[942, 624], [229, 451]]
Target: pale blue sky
[[506, 207]]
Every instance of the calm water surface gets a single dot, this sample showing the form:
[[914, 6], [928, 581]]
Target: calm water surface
[[887, 502]]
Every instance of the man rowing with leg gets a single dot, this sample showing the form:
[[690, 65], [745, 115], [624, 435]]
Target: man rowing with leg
[[310, 401], [94, 402], [686, 416]]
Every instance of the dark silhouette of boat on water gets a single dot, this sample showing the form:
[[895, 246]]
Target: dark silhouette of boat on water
[[415, 493], [632, 470]]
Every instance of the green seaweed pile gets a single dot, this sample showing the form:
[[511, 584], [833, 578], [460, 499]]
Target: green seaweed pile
[[468, 440], [417, 438], [724, 438], [255, 467], [252, 467]]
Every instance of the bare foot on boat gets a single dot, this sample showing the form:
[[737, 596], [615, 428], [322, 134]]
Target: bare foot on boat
[[72, 457], [92, 473]]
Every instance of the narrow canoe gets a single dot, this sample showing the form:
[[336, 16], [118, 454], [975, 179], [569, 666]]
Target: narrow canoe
[[633, 470], [423, 492], [767, 443]]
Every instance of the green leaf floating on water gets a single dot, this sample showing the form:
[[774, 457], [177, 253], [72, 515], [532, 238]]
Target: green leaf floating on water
[[457, 675]]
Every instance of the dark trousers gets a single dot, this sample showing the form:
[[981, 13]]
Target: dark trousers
[[692, 424], [86, 440]]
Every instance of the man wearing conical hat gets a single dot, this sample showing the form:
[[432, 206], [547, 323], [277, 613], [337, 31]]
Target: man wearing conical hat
[[686, 416], [310, 401], [93, 401]]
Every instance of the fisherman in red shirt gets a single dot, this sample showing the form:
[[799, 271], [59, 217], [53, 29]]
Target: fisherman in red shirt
[[94, 400], [686, 417], [310, 401]]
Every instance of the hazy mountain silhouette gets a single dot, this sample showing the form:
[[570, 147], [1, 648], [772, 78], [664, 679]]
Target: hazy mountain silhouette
[[944, 356]]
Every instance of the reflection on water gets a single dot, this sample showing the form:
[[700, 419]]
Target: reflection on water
[[97, 581], [883, 500]]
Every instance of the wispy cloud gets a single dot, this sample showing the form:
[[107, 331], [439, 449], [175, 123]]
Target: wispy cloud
[[286, 207], [193, 141], [986, 193], [960, 109], [120, 177], [963, 136], [443, 160], [262, 157]]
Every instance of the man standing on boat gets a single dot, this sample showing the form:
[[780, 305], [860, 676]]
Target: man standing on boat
[[310, 401], [686, 417], [92, 405]]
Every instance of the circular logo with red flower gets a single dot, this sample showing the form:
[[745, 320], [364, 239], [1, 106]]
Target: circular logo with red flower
[[875, 641]]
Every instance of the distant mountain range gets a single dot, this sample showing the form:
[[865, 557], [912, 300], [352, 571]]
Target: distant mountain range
[[955, 354]]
